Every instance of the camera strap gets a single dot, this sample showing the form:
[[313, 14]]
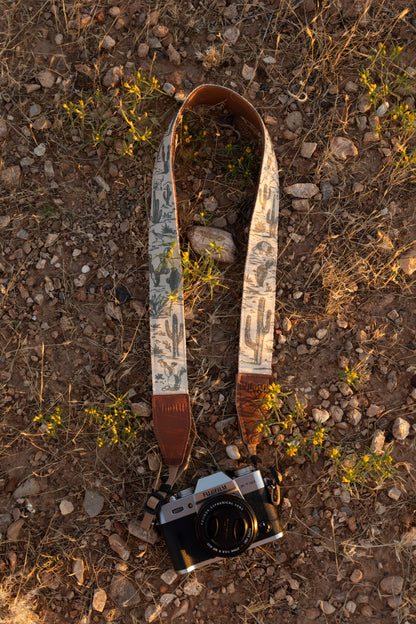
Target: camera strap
[[173, 423]]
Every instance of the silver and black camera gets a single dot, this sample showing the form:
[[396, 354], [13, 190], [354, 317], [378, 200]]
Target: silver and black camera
[[221, 517]]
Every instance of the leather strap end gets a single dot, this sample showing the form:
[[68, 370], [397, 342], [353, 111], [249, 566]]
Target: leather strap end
[[172, 424], [250, 390]]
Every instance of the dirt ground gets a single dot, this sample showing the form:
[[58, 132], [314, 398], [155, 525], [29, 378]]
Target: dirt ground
[[74, 332]]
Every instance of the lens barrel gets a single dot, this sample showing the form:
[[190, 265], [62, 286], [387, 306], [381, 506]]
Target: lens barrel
[[226, 525]]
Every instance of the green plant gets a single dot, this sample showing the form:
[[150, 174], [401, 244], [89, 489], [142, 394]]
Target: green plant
[[354, 376], [116, 423], [388, 86], [53, 422], [357, 470], [103, 118]]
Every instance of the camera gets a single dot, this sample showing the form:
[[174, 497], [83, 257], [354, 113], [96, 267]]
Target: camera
[[221, 517]]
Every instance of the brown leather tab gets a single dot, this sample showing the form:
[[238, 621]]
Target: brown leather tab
[[250, 390], [172, 425]]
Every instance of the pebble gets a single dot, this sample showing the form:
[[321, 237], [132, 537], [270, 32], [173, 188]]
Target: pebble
[[3, 128], [356, 576], [233, 452], [382, 109], [321, 333], [327, 607], [14, 530], [401, 429], [169, 89], [342, 148], [30, 487], [99, 599], [108, 43], [5, 520], [302, 350], [320, 415], [48, 167], [141, 409], [269, 60], [311, 613], [351, 87], [307, 149], [169, 576], [327, 190], [392, 585], [174, 56], [302, 190], [59, 39], [354, 416], [113, 76], [409, 538], [142, 50], [351, 606], [391, 381], [294, 121], [114, 11], [300, 205], [248, 72], [394, 493], [123, 592], [286, 324], [193, 588], [10, 176], [119, 546], [85, 269], [66, 507], [166, 599], [408, 262], [78, 570], [374, 410], [160, 31], [377, 443], [232, 34], [200, 238], [34, 110], [93, 503], [46, 78], [40, 150]]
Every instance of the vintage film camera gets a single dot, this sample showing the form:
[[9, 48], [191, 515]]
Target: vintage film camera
[[221, 517]]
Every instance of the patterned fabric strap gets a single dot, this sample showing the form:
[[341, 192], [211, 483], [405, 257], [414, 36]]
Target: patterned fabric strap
[[171, 407]]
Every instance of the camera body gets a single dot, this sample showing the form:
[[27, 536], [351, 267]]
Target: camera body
[[221, 517]]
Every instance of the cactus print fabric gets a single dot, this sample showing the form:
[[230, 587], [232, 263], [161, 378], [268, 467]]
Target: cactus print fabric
[[167, 322]]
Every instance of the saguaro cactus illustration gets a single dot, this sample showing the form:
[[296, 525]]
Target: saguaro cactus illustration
[[175, 334], [165, 154], [263, 326], [264, 194], [157, 211], [272, 217], [167, 194]]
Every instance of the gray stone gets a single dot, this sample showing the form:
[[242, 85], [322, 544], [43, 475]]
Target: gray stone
[[66, 507], [320, 415], [78, 569], [307, 149], [391, 381], [119, 546], [141, 409], [354, 416], [342, 148], [382, 109], [152, 612], [169, 89], [113, 76], [302, 190], [4, 221], [169, 576], [46, 78], [327, 190], [34, 110], [374, 410], [30, 487], [300, 205], [193, 587], [40, 150], [401, 429], [3, 128], [377, 443], [408, 261], [294, 121], [248, 72], [202, 237], [142, 50], [5, 520], [233, 452], [174, 56], [123, 592], [231, 34], [108, 43], [392, 585], [93, 503], [394, 493], [14, 530], [327, 607]]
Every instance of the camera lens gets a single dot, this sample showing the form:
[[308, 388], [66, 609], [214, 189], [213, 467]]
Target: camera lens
[[226, 525]]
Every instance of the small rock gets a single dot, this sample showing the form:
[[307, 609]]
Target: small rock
[[363, 104], [3, 129], [142, 50], [351, 606], [294, 121], [394, 493], [354, 416], [10, 176], [154, 43], [302, 190], [40, 150], [311, 613], [327, 190], [153, 461], [377, 443], [286, 324], [269, 60], [169, 89], [166, 599], [371, 137], [327, 607], [321, 333], [307, 149], [174, 55], [114, 11], [231, 34], [108, 43], [30, 487], [342, 148], [248, 72], [34, 110], [93, 503], [160, 31], [202, 237], [141, 409], [300, 205], [85, 269], [337, 413], [113, 76], [99, 599], [46, 78], [409, 538], [14, 530], [356, 576], [78, 568], [48, 167], [302, 349], [119, 546], [392, 585], [233, 452], [210, 204], [401, 429], [123, 592], [66, 507], [382, 109], [5, 521], [169, 576], [408, 262], [374, 410], [320, 415], [193, 588], [351, 87], [153, 18], [59, 39]]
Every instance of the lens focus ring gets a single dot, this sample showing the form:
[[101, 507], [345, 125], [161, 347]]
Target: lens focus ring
[[226, 525]]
